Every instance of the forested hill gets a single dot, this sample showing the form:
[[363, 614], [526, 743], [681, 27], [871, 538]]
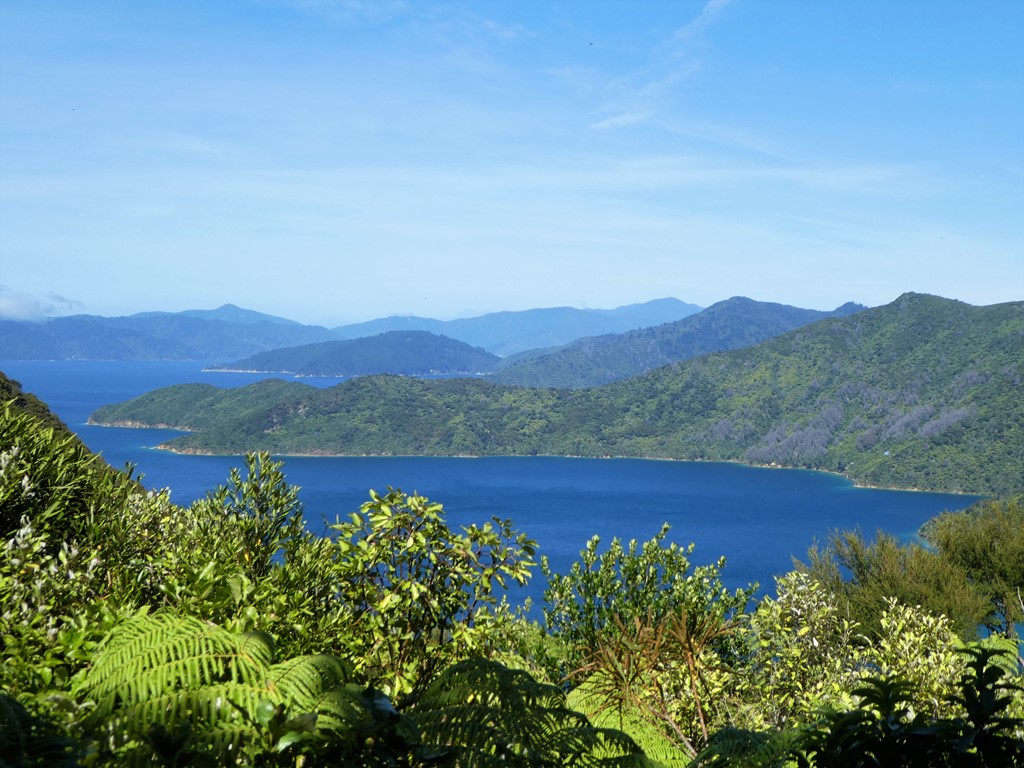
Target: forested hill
[[923, 393], [409, 353], [731, 324]]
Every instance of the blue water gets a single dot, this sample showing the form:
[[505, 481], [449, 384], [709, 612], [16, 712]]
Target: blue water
[[759, 519]]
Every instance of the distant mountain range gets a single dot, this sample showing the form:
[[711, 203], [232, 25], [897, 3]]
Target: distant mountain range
[[223, 333], [506, 333], [230, 332], [921, 393], [227, 313], [408, 353], [590, 361]]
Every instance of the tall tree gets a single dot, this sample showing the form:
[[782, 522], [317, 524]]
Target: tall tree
[[866, 574], [987, 541]]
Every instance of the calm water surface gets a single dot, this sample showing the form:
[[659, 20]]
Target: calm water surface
[[758, 518]]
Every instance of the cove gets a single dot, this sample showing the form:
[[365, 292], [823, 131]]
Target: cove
[[759, 519]]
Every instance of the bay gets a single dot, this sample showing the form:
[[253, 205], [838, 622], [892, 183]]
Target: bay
[[759, 519]]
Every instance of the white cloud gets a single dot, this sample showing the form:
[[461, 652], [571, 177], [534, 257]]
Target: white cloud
[[22, 306]]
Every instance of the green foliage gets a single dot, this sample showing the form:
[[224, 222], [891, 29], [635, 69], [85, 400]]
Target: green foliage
[[53, 579], [885, 730], [884, 727], [922, 650], [49, 477], [52, 615], [395, 604], [808, 655], [625, 583], [987, 541], [180, 691], [488, 714], [864, 575], [414, 592], [805, 654], [671, 673], [739, 748], [264, 509], [661, 750], [647, 635]]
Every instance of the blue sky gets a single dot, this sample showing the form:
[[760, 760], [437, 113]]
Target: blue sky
[[339, 160]]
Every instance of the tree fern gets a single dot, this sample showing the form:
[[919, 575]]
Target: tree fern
[[739, 748], [180, 690], [487, 713], [661, 751]]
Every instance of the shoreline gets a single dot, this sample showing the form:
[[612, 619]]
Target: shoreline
[[328, 455]]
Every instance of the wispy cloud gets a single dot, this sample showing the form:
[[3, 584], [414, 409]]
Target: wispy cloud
[[620, 121], [22, 306], [676, 60], [698, 26]]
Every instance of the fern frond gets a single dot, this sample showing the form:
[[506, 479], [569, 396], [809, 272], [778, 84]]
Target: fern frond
[[489, 713], [177, 683], [661, 751], [305, 679], [738, 748], [152, 656]]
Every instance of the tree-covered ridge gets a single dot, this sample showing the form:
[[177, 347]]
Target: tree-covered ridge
[[921, 393], [731, 324], [408, 353]]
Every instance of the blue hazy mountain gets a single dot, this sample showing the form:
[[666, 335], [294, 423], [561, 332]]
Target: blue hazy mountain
[[506, 333], [226, 332], [230, 332], [228, 313]]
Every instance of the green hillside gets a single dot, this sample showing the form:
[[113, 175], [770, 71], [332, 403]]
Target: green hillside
[[921, 393]]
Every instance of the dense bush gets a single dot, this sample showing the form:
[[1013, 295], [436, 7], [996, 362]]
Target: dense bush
[[987, 542], [865, 575]]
